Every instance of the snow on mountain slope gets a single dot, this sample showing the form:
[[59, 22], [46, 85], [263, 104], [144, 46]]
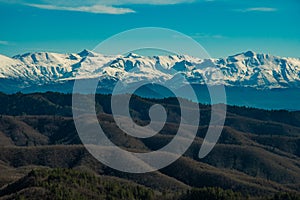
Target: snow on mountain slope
[[260, 70], [36, 68], [8, 66], [246, 69]]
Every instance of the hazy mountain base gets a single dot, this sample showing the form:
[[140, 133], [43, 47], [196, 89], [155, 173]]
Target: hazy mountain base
[[257, 154], [283, 98]]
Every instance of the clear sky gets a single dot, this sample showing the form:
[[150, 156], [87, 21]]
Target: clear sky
[[222, 27]]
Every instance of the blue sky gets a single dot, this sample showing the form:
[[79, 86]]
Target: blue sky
[[222, 27]]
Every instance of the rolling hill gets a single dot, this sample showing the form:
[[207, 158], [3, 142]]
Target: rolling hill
[[257, 154]]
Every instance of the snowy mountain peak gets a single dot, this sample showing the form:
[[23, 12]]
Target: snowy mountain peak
[[85, 53], [249, 54], [133, 55]]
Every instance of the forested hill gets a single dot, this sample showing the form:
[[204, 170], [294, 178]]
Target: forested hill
[[257, 155]]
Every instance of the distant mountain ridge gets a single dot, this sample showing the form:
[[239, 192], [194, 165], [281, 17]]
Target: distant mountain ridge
[[250, 79], [248, 69]]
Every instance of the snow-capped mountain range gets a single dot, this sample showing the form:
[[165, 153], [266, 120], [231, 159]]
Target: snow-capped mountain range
[[248, 69]]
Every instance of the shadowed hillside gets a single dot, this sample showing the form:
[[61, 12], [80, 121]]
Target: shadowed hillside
[[258, 153]]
